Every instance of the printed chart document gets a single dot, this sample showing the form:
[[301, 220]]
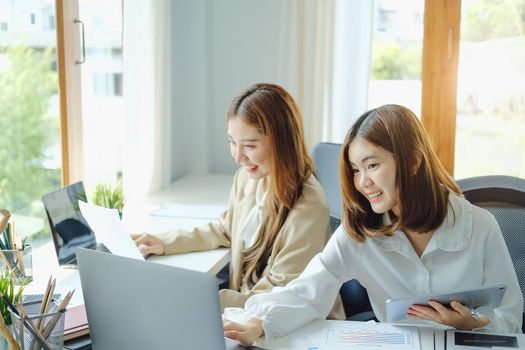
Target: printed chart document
[[109, 230], [179, 210], [356, 335]]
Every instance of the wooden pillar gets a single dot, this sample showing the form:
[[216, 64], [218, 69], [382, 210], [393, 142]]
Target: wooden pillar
[[68, 55], [439, 76]]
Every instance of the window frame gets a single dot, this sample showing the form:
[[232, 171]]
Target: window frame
[[439, 75], [69, 82]]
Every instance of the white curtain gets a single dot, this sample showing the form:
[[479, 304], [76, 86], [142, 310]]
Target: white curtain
[[147, 93], [352, 66], [324, 61]]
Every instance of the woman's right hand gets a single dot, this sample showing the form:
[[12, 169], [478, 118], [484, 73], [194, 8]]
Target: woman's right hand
[[148, 244], [245, 333]]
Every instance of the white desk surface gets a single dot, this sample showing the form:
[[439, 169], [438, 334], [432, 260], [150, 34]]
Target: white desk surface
[[45, 265], [200, 189], [195, 189]]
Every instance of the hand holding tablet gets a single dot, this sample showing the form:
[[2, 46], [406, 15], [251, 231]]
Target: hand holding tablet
[[491, 296]]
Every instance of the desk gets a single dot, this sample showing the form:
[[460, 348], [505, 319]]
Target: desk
[[211, 261], [194, 189], [200, 189], [211, 190]]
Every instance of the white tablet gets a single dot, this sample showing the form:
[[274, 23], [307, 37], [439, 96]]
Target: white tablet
[[396, 309]]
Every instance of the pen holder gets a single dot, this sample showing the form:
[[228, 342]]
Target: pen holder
[[49, 328], [18, 262]]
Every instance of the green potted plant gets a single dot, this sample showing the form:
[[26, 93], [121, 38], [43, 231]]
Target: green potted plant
[[106, 195]]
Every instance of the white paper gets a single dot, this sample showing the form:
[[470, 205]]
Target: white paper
[[357, 335], [109, 230], [179, 210]]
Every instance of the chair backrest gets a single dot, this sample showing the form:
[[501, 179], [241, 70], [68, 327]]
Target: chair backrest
[[326, 158], [504, 197]]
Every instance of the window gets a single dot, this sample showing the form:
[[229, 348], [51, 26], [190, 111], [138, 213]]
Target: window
[[29, 120], [397, 44], [33, 130], [102, 102], [491, 90]]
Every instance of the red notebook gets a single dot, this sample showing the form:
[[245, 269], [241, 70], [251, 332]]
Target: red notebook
[[75, 323]]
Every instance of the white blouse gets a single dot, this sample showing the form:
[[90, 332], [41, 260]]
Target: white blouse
[[252, 225], [466, 251]]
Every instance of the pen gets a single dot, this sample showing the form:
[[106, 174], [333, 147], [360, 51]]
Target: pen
[[61, 309], [46, 299], [12, 236], [6, 238]]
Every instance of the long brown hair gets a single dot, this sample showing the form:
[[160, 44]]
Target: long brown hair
[[272, 110], [423, 195]]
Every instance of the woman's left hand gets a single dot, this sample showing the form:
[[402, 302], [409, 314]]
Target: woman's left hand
[[457, 315]]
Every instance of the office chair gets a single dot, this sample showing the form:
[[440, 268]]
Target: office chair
[[504, 197], [326, 158]]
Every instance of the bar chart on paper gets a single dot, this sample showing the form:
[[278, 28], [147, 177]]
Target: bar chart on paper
[[356, 335], [386, 338]]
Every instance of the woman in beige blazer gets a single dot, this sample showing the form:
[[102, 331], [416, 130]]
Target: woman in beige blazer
[[277, 217]]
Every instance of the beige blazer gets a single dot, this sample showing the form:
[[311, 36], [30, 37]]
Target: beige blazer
[[303, 235]]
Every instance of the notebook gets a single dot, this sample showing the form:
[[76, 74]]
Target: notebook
[[75, 322], [69, 229], [135, 304]]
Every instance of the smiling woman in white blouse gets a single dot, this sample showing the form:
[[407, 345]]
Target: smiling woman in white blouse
[[277, 216], [406, 231]]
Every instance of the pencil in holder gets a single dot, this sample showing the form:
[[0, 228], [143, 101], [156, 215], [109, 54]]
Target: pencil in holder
[[36, 331], [18, 262]]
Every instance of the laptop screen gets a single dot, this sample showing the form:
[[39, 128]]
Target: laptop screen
[[69, 229]]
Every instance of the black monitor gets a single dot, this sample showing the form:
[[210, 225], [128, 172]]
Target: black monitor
[[68, 228]]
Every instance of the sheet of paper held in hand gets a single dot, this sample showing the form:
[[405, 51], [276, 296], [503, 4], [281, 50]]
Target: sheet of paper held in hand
[[356, 335], [109, 230]]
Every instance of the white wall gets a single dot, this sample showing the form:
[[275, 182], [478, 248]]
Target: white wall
[[190, 81], [222, 47], [219, 48]]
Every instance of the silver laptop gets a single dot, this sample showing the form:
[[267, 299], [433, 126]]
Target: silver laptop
[[133, 304]]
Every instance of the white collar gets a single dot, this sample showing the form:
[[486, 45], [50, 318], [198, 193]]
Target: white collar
[[454, 234]]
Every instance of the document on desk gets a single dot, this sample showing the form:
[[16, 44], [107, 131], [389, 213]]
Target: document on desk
[[356, 335], [109, 230], [180, 210]]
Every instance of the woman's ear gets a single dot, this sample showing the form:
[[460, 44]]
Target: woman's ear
[[417, 163]]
